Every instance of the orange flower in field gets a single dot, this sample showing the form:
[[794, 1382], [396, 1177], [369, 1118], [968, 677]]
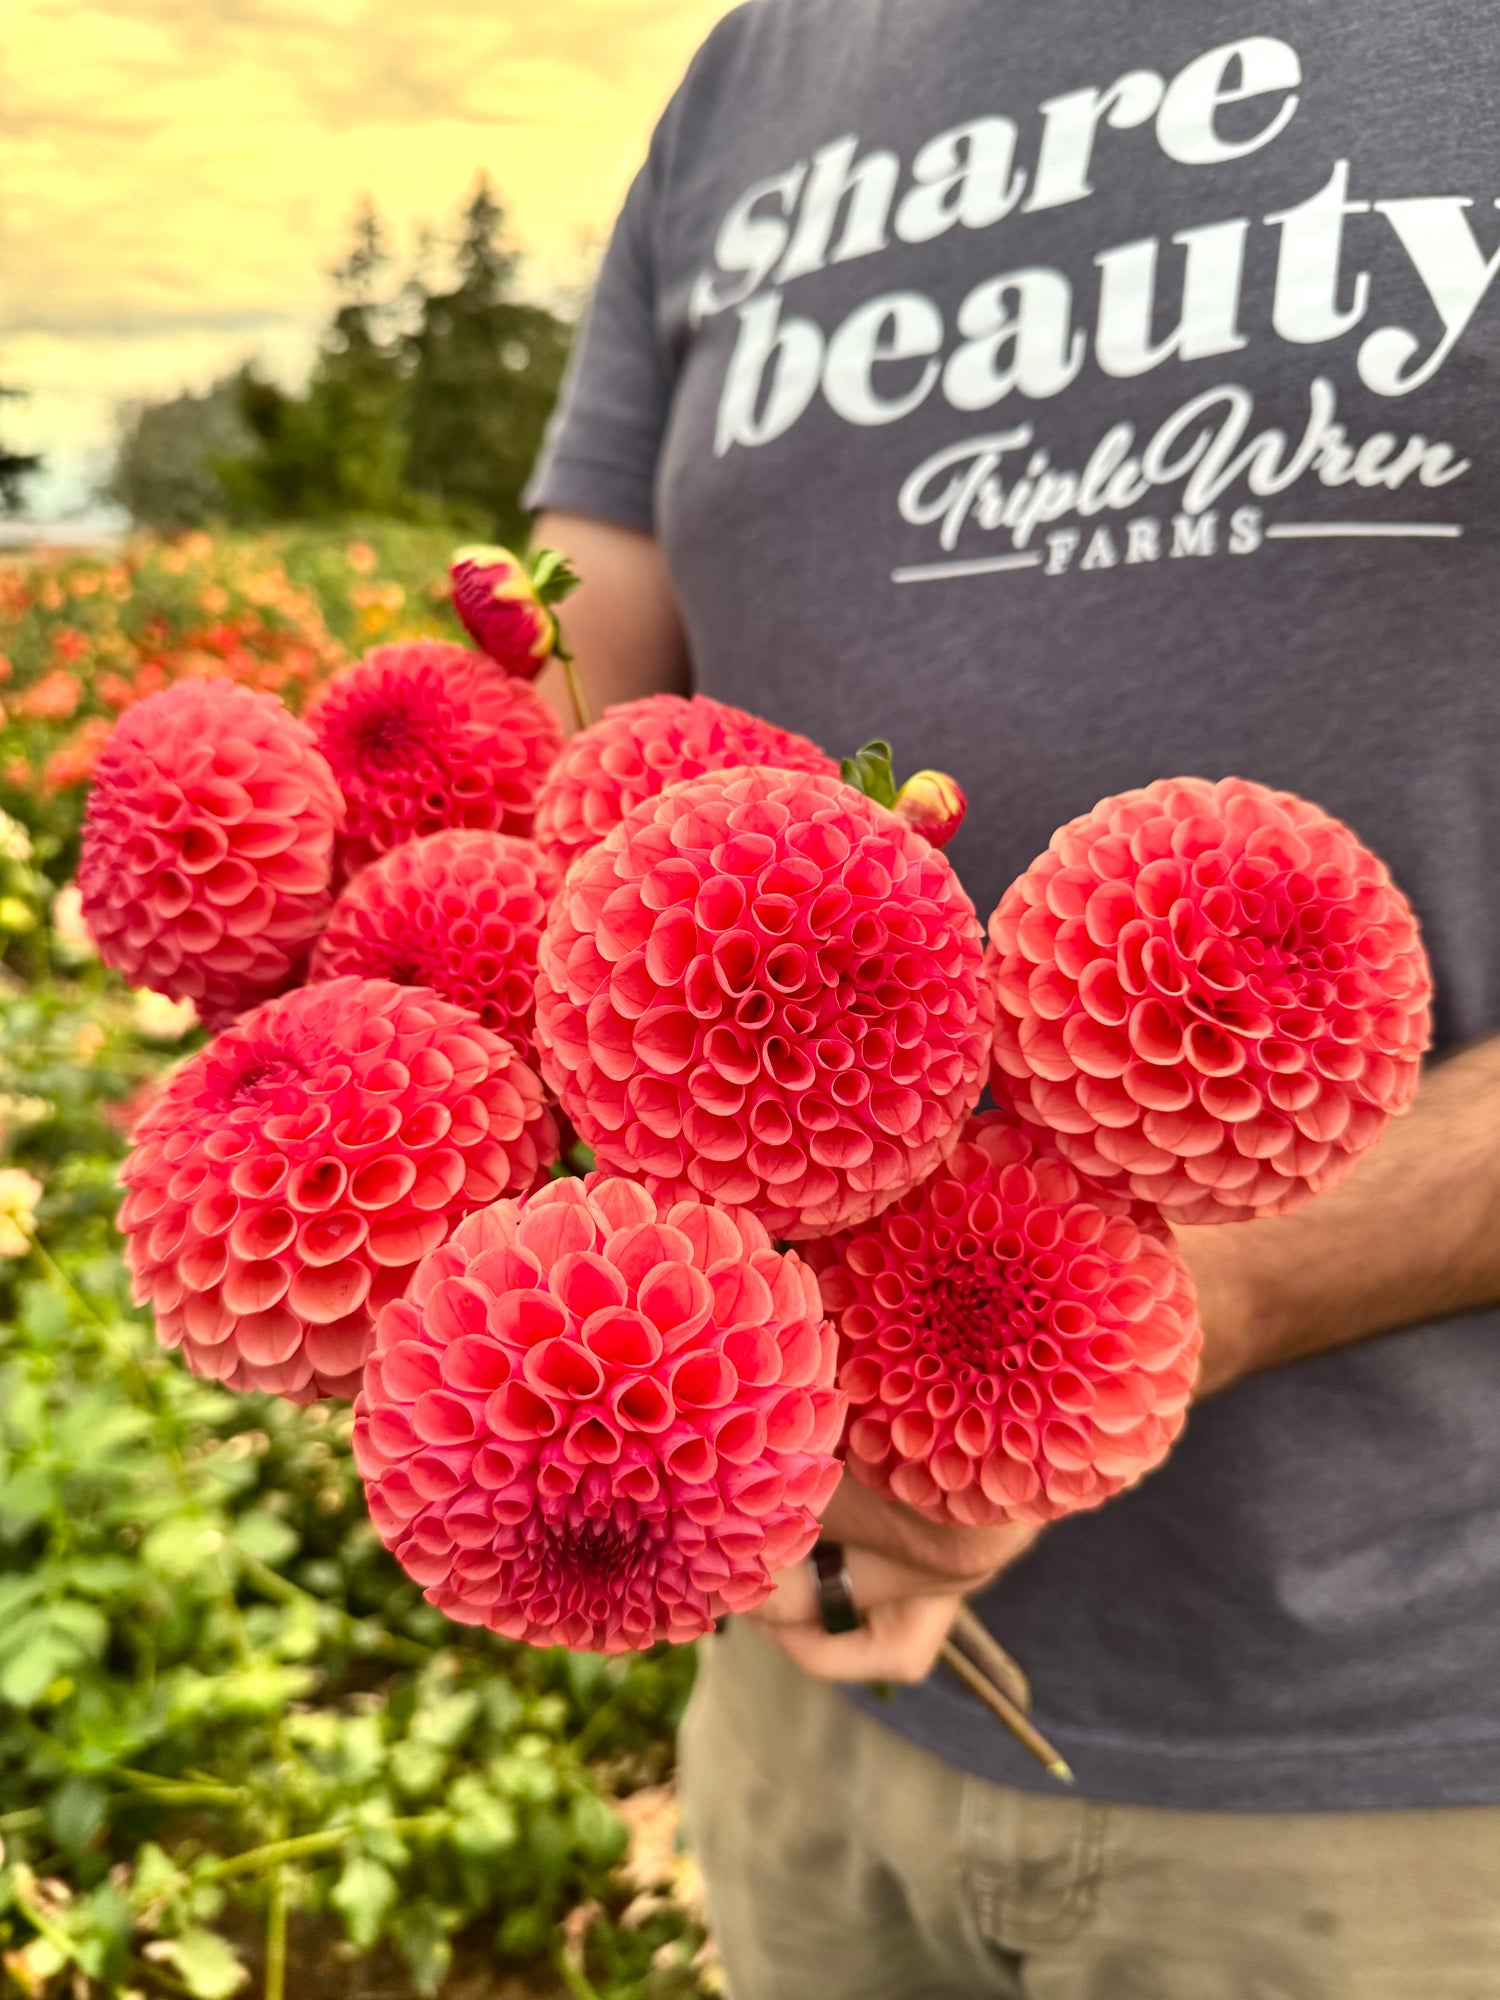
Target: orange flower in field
[[6, 669], [16, 773], [114, 690], [53, 699], [361, 558], [72, 762], [84, 582], [69, 643], [214, 599]]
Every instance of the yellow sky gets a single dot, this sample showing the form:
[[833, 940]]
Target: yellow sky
[[175, 175]]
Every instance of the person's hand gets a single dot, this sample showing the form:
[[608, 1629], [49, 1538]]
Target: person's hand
[[908, 1576]]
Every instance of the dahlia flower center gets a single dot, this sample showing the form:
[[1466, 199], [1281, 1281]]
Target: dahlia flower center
[[263, 1080], [971, 1316], [389, 735], [601, 1552], [1270, 956]]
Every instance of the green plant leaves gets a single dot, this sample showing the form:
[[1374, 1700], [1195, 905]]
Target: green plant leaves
[[211, 1674], [364, 1896], [869, 771], [76, 1813], [206, 1965]]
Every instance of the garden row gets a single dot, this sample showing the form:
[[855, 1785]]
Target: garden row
[[220, 1701]]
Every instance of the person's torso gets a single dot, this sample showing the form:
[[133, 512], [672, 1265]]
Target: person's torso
[[1082, 395]]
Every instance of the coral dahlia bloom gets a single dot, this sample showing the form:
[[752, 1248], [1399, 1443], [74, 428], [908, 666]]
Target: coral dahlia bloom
[[208, 847], [765, 990], [424, 736], [459, 912], [638, 748], [1211, 993], [1014, 1345], [498, 606], [285, 1184], [601, 1420]]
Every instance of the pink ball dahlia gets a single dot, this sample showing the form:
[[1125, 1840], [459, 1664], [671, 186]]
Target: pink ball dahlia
[[1014, 1345], [459, 912], [1211, 993], [292, 1174], [638, 748], [424, 736], [601, 1420], [767, 991], [208, 846]]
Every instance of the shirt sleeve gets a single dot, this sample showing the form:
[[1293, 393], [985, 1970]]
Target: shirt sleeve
[[600, 453]]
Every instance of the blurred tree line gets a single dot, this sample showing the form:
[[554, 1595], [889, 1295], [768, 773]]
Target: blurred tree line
[[15, 466], [427, 402]]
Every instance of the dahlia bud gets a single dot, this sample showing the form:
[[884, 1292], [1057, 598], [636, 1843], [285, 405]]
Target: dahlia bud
[[934, 804], [499, 606]]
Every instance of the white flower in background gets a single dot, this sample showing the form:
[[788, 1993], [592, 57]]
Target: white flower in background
[[155, 1018], [19, 1195], [21, 1111], [15, 841], [69, 925]]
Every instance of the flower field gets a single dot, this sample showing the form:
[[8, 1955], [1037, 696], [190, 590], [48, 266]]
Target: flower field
[[238, 1752]]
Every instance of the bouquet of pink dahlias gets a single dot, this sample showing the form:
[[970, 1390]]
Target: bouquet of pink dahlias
[[605, 1411]]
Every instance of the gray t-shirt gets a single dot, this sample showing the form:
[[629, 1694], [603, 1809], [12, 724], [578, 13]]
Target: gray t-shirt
[[1080, 395]]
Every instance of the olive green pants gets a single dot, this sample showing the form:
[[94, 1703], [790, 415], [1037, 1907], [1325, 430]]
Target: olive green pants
[[844, 1863]]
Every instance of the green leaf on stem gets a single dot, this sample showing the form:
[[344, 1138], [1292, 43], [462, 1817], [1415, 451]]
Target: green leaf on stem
[[869, 771]]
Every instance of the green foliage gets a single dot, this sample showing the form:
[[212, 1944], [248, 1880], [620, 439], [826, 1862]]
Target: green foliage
[[426, 403], [484, 372], [164, 471], [869, 771], [239, 1754]]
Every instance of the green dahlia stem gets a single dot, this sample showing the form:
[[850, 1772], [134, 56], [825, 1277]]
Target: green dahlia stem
[[312, 1846], [575, 687], [276, 1914]]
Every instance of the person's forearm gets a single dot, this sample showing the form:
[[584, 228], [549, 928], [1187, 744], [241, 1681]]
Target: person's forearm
[[621, 623], [1412, 1235]]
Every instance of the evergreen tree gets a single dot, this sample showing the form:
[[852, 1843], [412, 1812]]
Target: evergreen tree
[[427, 401], [338, 449], [485, 368]]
